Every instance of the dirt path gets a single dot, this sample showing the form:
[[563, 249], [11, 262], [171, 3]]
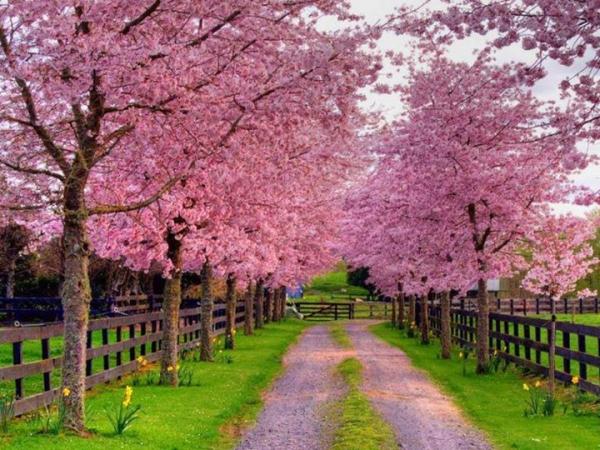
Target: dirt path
[[294, 408], [422, 417]]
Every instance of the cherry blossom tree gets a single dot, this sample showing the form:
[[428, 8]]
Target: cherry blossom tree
[[99, 93], [561, 255]]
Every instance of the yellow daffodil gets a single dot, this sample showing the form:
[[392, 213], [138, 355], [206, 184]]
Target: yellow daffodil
[[220, 351], [177, 366], [66, 392], [575, 380], [495, 352], [140, 359], [127, 396], [144, 362], [538, 384], [525, 387], [460, 355], [233, 332], [170, 369]]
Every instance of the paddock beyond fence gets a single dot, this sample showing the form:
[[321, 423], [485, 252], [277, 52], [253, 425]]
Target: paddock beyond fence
[[524, 342], [32, 356]]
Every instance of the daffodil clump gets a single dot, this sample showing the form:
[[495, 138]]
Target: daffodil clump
[[125, 414], [540, 402]]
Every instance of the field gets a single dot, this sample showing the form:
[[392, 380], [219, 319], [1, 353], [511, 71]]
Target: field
[[496, 402], [224, 398]]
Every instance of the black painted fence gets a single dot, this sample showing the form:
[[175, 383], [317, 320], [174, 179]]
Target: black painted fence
[[113, 343], [524, 342]]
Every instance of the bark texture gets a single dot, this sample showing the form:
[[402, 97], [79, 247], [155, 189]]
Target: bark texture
[[76, 298], [171, 305], [394, 312], [401, 319], [412, 309], [424, 320], [445, 335], [230, 307], [268, 305], [483, 328], [260, 309], [249, 312], [10, 278], [206, 312]]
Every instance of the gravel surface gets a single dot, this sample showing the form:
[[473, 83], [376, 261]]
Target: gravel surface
[[294, 408], [422, 417]]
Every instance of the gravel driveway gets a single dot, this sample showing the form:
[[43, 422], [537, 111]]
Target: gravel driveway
[[294, 408], [422, 417]]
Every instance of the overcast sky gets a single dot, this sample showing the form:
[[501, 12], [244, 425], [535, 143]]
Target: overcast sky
[[377, 10]]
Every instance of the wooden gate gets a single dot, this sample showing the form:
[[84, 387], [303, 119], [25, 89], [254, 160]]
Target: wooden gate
[[326, 311]]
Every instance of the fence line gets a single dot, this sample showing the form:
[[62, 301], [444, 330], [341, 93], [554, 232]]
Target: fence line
[[113, 343], [524, 342], [530, 306]]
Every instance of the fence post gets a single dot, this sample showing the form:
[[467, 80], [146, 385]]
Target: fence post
[[537, 305], [18, 359], [552, 353], [596, 305], [512, 307], [581, 305], [524, 306], [566, 306]]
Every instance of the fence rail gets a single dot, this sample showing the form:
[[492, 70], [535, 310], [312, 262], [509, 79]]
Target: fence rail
[[530, 306], [524, 342], [113, 343]]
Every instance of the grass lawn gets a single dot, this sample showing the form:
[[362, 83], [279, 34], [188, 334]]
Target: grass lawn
[[496, 402], [333, 286], [224, 398]]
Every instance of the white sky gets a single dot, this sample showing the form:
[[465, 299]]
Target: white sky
[[547, 89]]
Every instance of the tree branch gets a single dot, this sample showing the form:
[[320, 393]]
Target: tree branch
[[139, 19]]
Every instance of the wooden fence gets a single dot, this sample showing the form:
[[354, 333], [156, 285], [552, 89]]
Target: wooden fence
[[524, 342], [530, 306], [113, 345], [49, 309]]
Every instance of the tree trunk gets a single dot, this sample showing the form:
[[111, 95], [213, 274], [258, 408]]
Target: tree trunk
[[276, 302], [445, 336], [483, 330], [260, 310], [206, 313], [424, 320], [412, 310], [268, 306], [10, 278], [401, 319], [170, 307], [230, 307], [249, 311], [282, 298], [394, 314], [76, 299]]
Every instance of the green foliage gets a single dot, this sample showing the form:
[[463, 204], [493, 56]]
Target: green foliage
[[122, 417], [185, 375], [360, 426], [540, 401], [495, 402], [206, 415], [7, 411]]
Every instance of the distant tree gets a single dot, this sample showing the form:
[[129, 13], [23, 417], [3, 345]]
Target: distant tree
[[360, 277], [14, 239]]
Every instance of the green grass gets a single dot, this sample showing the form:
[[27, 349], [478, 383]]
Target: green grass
[[360, 426], [333, 286], [339, 334], [224, 398], [496, 402]]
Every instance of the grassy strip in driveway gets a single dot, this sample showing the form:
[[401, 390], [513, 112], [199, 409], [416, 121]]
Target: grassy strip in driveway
[[359, 425], [340, 335], [225, 397], [496, 402]]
